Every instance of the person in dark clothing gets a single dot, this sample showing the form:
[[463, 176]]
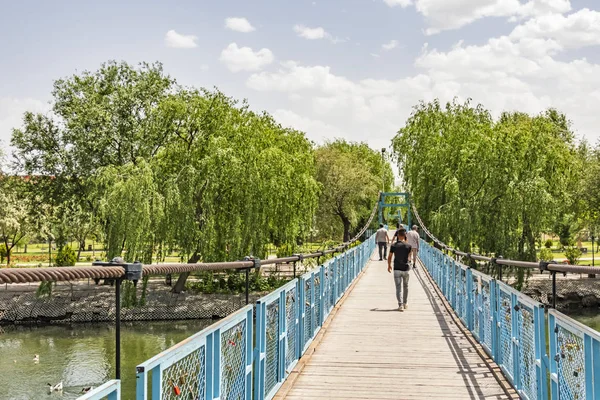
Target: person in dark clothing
[[399, 253]]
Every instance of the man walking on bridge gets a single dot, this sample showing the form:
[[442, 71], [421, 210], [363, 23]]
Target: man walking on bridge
[[382, 239], [399, 252], [413, 239]]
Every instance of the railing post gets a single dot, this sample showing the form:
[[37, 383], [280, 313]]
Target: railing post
[[247, 286], [249, 352], [515, 340], [469, 277], [313, 314], [301, 315], [494, 316], [541, 358], [260, 351], [118, 328], [334, 280], [554, 289], [595, 366], [554, 356], [322, 295]]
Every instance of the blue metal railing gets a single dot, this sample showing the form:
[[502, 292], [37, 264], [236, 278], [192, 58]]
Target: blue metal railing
[[243, 358], [214, 363], [111, 390], [512, 328]]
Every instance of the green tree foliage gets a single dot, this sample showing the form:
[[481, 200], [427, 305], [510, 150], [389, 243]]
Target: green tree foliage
[[351, 176], [493, 185], [573, 254], [15, 220], [160, 167], [65, 257], [546, 254], [548, 243]]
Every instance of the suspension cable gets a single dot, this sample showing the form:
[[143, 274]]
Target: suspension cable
[[550, 266], [41, 274]]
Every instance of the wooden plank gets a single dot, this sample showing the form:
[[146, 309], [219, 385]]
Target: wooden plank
[[372, 351]]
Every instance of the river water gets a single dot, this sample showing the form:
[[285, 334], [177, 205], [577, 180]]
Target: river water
[[81, 355], [84, 355]]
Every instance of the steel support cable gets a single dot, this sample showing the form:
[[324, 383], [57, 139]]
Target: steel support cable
[[550, 266], [26, 275]]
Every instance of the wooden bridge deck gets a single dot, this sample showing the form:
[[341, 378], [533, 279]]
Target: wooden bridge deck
[[369, 350]]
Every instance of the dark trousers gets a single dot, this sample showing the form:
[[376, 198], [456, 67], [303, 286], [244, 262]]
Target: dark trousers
[[382, 245]]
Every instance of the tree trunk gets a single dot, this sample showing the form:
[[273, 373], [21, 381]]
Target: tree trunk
[[8, 251], [180, 285], [79, 251], [346, 223]]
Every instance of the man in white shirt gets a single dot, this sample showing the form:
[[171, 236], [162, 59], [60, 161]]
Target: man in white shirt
[[413, 239], [382, 239]]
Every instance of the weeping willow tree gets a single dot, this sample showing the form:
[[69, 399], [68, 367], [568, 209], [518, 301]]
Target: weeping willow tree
[[164, 168], [484, 185], [351, 176]]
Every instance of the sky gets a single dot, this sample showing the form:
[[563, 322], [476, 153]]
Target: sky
[[348, 69]]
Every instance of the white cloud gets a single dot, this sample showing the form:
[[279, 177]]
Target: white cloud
[[453, 14], [179, 41], [392, 44], [401, 3], [316, 130], [239, 24], [317, 34], [520, 71], [245, 59], [310, 33], [576, 30]]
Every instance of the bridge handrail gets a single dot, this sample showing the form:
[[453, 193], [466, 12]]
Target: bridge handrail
[[551, 266], [513, 328], [56, 274], [110, 390], [294, 312]]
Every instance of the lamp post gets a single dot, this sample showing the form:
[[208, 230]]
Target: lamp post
[[382, 169]]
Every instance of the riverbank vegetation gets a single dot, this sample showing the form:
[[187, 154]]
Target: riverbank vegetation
[[501, 185], [148, 169]]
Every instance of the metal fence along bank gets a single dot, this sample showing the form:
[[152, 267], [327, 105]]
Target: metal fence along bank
[[544, 355], [249, 354]]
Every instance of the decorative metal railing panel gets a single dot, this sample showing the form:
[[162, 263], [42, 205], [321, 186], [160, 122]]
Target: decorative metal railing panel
[[291, 325], [214, 363], [505, 322], [236, 359], [512, 328], [574, 358]]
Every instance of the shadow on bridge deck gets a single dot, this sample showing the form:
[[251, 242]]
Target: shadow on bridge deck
[[369, 350]]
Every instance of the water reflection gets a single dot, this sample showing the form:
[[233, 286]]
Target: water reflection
[[589, 318], [80, 355]]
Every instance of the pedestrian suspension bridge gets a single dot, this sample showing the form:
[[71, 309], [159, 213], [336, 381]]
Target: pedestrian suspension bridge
[[336, 333]]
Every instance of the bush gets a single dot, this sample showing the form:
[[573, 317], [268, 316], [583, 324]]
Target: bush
[[546, 254], [548, 243], [44, 290], [65, 257], [573, 254], [3, 253]]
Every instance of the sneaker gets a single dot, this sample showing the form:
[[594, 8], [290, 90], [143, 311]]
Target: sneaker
[[406, 306], [401, 308], [380, 259]]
